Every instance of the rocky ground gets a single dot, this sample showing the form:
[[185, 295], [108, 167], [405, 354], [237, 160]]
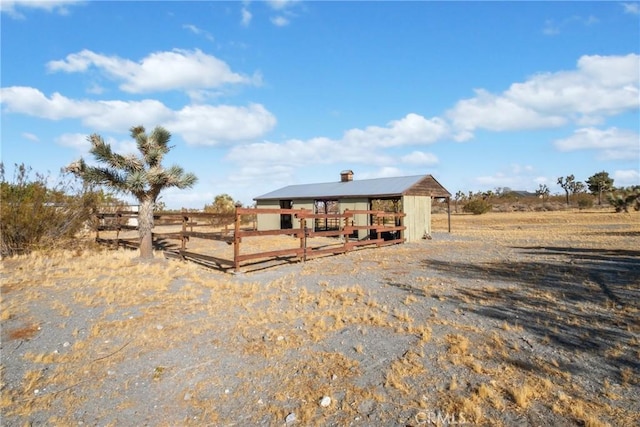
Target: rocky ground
[[512, 322]]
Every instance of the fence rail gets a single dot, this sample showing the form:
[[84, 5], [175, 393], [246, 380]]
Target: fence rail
[[234, 229]]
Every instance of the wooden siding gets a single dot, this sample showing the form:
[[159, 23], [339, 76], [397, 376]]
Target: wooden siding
[[428, 186], [357, 205], [418, 219]]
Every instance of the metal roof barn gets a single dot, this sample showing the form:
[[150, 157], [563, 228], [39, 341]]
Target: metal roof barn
[[378, 187], [411, 195]]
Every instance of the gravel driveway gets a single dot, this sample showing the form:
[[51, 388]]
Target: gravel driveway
[[464, 328]]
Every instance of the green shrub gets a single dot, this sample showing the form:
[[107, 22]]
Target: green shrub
[[36, 216], [624, 198], [585, 201], [477, 206]]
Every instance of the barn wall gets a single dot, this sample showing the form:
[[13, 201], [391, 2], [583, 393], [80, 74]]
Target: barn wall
[[303, 204], [418, 217], [272, 221], [357, 204], [268, 221]]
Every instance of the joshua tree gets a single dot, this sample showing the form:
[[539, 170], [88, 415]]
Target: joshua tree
[[543, 192], [459, 196], [600, 183], [143, 177], [568, 184]]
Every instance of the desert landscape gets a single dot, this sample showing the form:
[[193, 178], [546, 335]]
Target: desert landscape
[[519, 318]]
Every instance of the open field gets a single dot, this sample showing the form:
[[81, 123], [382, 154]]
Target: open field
[[512, 319]]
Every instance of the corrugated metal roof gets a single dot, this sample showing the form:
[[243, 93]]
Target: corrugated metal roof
[[377, 187]]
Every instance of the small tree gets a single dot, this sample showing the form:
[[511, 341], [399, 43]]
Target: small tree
[[460, 196], [36, 214], [599, 183], [622, 198], [477, 206], [225, 207], [143, 177], [570, 186], [543, 192]]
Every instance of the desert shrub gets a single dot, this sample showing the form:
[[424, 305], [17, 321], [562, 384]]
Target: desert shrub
[[585, 201], [36, 214], [477, 206], [624, 198], [224, 208]]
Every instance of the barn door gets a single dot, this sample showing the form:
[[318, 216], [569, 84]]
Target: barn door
[[286, 220]]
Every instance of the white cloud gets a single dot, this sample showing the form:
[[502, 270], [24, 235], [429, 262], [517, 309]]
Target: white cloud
[[552, 28], [601, 86], [80, 142], [76, 141], [281, 4], [631, 8], [612, 143], [211, 125], [199, 31], [383, 172], [11, 7], [514, 176], [498, 113], [413, 129], [420, 158], [626, 178], [279, 21], [30, 101], [357, 146], [30, 136], [246, 16], [160, 71], [198, 124]]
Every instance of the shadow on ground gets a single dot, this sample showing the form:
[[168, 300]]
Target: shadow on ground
[[582, 300]]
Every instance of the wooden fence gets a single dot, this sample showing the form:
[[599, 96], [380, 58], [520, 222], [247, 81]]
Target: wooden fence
[[237, 229]]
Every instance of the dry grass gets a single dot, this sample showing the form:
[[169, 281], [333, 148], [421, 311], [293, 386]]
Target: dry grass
[[383, 341]]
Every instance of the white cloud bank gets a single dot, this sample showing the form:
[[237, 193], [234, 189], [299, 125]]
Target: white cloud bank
[[12, 7], [178, 69], [601, 86], [198, 124], [356, 146], [612, 143]]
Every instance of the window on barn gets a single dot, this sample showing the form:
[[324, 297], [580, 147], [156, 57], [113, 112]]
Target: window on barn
[[326, 207], [386, 205]]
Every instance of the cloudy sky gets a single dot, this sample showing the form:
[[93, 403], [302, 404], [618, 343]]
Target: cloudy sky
[[263, 94]]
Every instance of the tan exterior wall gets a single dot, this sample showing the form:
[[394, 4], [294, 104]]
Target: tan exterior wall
[[357, 204], [416, 208], [268, 221], [302, 204], [418, 219], [272, 221]]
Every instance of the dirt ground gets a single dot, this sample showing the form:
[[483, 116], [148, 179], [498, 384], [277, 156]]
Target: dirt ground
[[527, 319]]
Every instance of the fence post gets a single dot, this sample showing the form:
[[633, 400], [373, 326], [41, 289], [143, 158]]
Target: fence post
[[183, 237], [303, 238], [378, 229], [97, 226], [345, 236], [118, 218], [236, 243]]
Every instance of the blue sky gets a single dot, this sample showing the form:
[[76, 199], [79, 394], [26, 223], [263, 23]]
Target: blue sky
[[263, 94]]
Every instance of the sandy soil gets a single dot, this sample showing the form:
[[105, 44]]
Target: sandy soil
[[512, 319]]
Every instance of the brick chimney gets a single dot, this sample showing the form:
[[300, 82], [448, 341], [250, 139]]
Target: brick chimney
[[346, 176]]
